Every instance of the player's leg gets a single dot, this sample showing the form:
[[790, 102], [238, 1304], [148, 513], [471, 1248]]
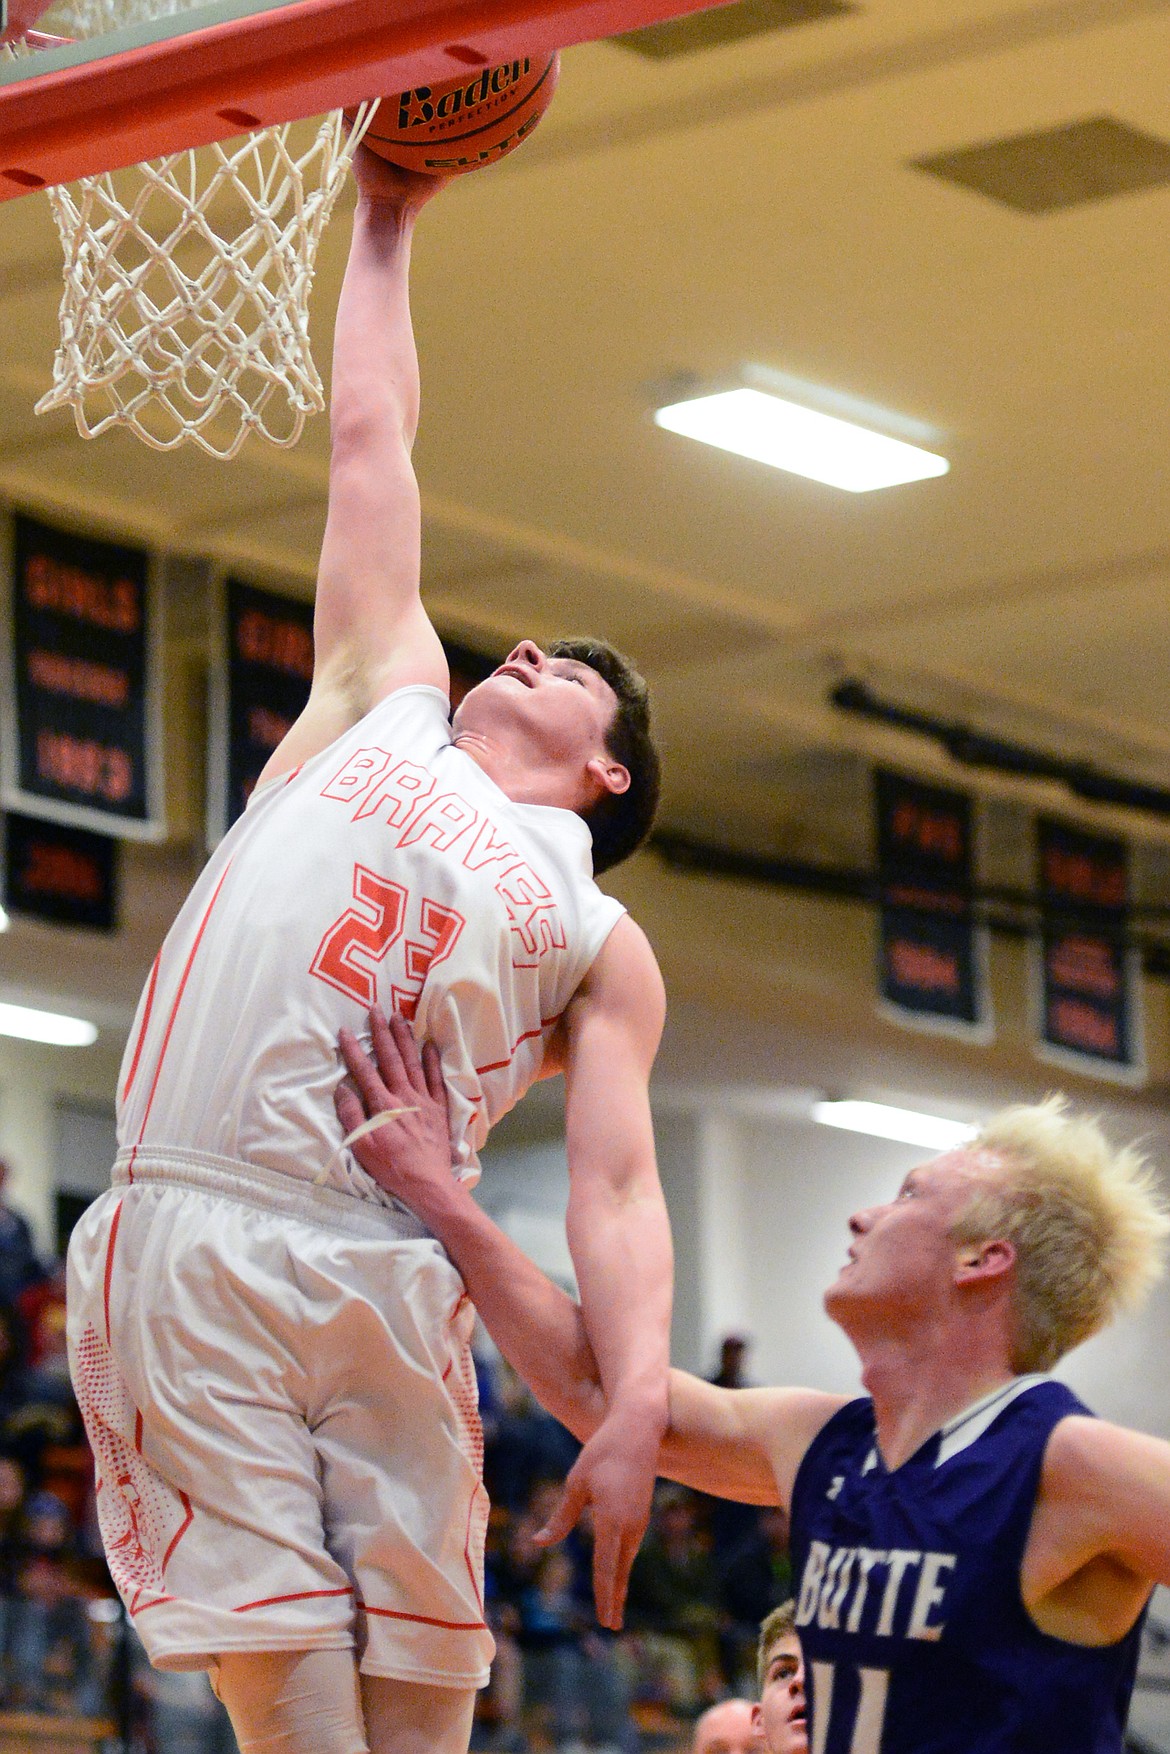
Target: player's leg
[[293, 1702], [403, 1717]]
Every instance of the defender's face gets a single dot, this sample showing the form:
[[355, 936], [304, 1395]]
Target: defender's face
[[781, 1715], [562, 705], [902, 1257]]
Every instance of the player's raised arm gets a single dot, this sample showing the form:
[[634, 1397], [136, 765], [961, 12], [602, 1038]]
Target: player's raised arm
[[370, 631], [1101, 1533]]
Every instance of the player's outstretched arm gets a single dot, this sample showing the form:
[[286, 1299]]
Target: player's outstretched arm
[[371, 633], [744, 1444], [1100, 1536]]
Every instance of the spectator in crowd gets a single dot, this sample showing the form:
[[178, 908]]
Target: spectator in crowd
[[522, 1443], [732, 1373], [733, 1524], [19, 1266], [782, 1714], [728, 1728], [672, 1610], [754, 1578], [49, 1662]]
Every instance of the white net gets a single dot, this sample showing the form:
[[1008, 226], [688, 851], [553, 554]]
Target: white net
[[185, 309]]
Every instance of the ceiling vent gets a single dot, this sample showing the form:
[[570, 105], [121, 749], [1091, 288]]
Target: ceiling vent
[[1058, 167], [726, 24]]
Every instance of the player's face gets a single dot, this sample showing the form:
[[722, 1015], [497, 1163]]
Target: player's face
[[561, 707], [903, 1255], [781, 1713]]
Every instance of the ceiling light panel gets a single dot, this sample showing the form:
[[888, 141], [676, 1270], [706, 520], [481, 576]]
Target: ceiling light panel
[[882, 1121], [802, 441], [46, 1026]]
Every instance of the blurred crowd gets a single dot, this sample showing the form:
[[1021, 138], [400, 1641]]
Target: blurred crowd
[[65, 1648], [707, 1575]]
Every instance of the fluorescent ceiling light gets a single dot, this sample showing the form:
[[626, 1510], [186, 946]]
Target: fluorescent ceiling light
[[771, 430], [49, 1026], [880, 1121]]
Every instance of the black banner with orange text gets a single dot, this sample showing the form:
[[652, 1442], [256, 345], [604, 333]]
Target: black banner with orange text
[[67, 876], [82, 697], [269, 670], [931, 953], [1089, 980], [263, 685]]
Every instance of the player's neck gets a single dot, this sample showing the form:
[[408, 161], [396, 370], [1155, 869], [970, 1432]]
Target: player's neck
[[920, 1381], [518, 776]]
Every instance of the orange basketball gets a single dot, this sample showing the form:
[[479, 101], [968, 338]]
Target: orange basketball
[[466, 122]]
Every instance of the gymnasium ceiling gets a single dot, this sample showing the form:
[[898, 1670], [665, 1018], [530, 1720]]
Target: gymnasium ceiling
[[757, 202]]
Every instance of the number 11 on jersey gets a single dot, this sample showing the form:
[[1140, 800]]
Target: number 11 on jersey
[[874, 1685]]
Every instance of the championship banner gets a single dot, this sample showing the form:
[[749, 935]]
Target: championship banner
[[1087, 979], [82, 684], [66, 876], [261, 688], [932, 956]]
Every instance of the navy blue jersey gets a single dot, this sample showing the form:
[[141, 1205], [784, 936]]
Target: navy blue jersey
[[915, 1636]]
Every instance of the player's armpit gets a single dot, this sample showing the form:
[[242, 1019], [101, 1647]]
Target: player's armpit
[[1105, 1493], [745, 1444]]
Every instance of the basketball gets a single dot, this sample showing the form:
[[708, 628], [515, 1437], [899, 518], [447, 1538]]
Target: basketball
[[466, 122]]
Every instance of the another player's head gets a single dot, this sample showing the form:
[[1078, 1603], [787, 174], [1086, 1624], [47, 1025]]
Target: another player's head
[[781, 1716], [727, 1728], [573, 726], [1040, 1227]]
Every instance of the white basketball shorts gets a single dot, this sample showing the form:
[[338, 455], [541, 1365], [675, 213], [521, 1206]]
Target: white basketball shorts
[[278, 1388]]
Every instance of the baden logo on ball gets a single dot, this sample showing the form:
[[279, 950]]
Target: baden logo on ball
[[464, 123]]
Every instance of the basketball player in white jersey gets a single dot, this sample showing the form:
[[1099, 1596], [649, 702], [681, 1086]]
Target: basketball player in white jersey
[[271, 1355], [973, 1550]]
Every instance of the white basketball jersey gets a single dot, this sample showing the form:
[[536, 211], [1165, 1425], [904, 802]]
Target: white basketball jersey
[[389, 868]]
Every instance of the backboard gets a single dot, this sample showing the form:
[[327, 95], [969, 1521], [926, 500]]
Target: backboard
[[219, 69]]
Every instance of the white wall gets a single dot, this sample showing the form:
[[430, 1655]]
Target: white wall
[[32, 1080]]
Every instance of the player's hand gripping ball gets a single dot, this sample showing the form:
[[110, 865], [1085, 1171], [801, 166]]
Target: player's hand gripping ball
[[444, 130]]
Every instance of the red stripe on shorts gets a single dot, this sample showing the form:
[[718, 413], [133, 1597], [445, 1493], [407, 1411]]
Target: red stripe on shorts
[[423, 1619], [174, 1012], [111, 1240], [157, 1603], [296, 1596], [467, 1546]]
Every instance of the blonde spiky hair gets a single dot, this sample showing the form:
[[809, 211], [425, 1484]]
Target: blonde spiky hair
[[1088, 1222]]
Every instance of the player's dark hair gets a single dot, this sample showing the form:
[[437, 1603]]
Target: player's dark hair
[[620, 821]]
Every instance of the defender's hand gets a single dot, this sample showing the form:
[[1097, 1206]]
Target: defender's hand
[[614, 1473], [411, 1154]]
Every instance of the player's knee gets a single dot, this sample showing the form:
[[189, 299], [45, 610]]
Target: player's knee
[[407, 1717], [292, 1702]]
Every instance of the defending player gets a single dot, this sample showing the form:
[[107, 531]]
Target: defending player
[[780, 1718], [271, 1356], [974, 1551]]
